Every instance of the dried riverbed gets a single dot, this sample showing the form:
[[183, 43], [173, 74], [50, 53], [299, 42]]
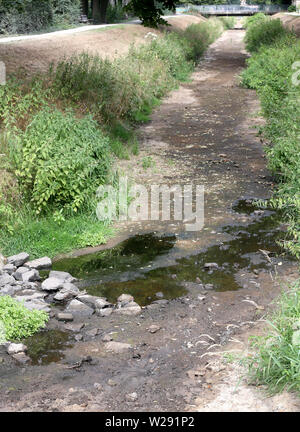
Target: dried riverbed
[[202, 134]]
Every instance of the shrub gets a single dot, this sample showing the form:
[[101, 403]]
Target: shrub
[[264, 32], [115, 13], [18, 321], [60, 160], [254, 19], [227, 21], [292, 8]]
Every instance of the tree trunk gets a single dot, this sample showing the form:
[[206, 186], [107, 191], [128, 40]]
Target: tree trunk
[[103, 9], [96, 11]]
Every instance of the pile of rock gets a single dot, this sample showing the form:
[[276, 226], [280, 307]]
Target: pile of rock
[[20, 279]]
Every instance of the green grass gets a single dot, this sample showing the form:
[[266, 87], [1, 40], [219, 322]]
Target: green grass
[[276, 362], [48, 237]]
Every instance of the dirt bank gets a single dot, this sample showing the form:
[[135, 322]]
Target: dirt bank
[[202, 134], [291, 22], [35, 55]]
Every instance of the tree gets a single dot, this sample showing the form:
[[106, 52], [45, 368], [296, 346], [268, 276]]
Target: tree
[[150, 12], [99, 10]]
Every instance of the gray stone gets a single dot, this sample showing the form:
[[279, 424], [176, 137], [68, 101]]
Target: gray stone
[[9, 268], [92, 333], [106, 338], [125, 298], [104, 312], [2, 261], [8, 290], [52, 284], [65, 276], [37, 304], [18, 260], [79, 309], [18, 274], [21, 357], [40, 263], [74, 327], [131, 397], [31, 276], [6, 279], [159, 294], [67, 292], [210, 266], [78, 337], [94, 301], [102, 303], [117, 347], [64, 316], [29, 295], [153, 328], [14, 348], [98, 386], [131, 308]]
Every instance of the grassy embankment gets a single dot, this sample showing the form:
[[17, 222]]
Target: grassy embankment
[[273, 72], [61, 131]]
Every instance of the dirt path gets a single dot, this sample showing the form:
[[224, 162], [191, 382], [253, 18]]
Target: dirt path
[[202, 134]]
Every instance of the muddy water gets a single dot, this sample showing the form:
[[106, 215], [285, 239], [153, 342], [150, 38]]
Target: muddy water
[[151, 267], [47, 346]]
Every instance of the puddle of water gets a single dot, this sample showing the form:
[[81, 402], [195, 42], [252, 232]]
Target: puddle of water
[[143, 265], [47, 346]]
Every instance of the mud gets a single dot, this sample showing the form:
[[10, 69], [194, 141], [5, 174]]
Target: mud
[[202, 134]]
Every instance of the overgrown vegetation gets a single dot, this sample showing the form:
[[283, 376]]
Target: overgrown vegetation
[[61, 130], [276, 362], [18, 322], [273, 72]]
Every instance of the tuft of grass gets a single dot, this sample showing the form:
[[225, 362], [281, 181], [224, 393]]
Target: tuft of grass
[[276, 362], [263, 32]]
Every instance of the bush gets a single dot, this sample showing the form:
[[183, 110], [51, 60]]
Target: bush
[[292, 8], [254, 19], [17, 321], [115, 14], [60, 160], [264, 32], [228, 22], [276, 362], [270, 72]]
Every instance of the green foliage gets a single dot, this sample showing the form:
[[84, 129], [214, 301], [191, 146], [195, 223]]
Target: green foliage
[[150, 12], [270, 72], [227, 21], [255, 19], [276, 362], [292, 8], [18, 321], [115, 13], [60, 160], [264, 32]]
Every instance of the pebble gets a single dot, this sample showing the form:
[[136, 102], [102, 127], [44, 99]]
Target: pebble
[[64, 316], [131, 397], [154, 328]]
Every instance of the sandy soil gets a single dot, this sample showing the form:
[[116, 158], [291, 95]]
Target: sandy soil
[[179, 367], [36, 54]]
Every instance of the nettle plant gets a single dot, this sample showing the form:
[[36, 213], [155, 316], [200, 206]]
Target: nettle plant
[[60, 160]]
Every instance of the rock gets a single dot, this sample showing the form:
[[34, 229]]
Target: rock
[[9, 290], [67, 292], [98, 386], [131, 308], [18, 274], [106, 338], [154, 328], [6, 279], [74, 327], [101, 303], [104, 312], [92, 333], [211, 266], [209, 286], [79, 309], [78, 337], [40, 263], [21, 357], [90, 300], [2, 261], [159, 294], [18, 260], [9, 268], [198, 280], [125, 298], [52, 284], [161, 302], [37, 304], [65, 316], [65, 276], [14, 348], [131, 397], [117, 347], [111, 383], [31, 276]]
